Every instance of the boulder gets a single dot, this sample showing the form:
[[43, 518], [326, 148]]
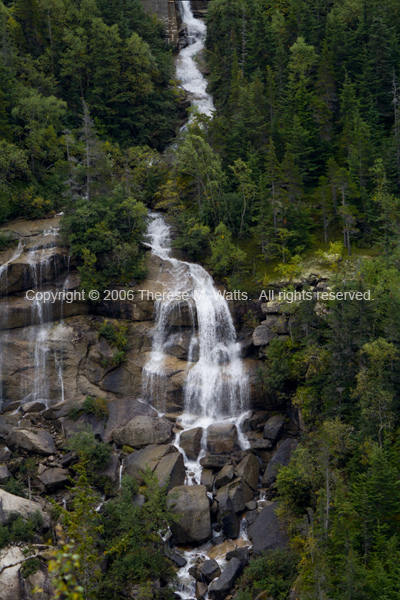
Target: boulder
[[239, 493], [210, 570], [4, 473], [137, 462], [85, 422], [221, 587], [227, 517], [251, 516], [5, 453], [122, 410], [222, 438], [260, 445], [171, 469], [54, 479], [225, 475], [33, 407], [276, 323], [190, 442], [142, 431], [242, 554], [262, 335], [207, 479], [37, 441], [273, 428], [249, 469], [214, 461], [191, 503], [267, 532], [280, 458], [201, 590], [15, 504], [178, 560]]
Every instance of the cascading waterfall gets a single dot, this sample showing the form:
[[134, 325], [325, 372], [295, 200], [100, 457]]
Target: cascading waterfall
[[186, 68]]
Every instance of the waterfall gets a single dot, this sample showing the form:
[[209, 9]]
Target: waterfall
[[216, 385], [186, 68]]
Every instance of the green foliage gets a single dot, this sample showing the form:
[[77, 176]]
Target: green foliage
[[30, 567], [273, 572], [225, 256], [90, 449], [133, 535], [19, 529], [117, 335], [90, 406]]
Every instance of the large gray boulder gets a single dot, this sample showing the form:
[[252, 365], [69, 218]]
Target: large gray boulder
[[249, 469], [266, 532], [171, 469], [210, 570], [54, 479], [192, 505], [273, 428], [122, 410], [238, 492], [281, 458], [214, 461], [38, 441], [222, 438], [15, 504], [221, 587], [137, 462], [142, 431], [190, 442], [10, 579]]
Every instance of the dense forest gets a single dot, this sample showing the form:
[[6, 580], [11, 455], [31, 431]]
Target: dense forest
[[299, 162]]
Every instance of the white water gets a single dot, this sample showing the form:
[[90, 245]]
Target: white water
[[186, 68]]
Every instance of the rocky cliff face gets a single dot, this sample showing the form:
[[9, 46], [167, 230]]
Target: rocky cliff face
[[168, 11], [52, 357]]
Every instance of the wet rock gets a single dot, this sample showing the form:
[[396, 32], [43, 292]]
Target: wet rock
[[4, 473], [190, 442], [15, 504], [201, 590], [221, 587], [191, 502], [280, 458], [249, 469], [266, 532], [262, 335], [207, 479], [210, 570], [33, 407], [242, 554], [225, 475], [171, 468], [178, 560], [137, 462], [142, 431], [257, 421], [37, 441], [251, 516], [214, 461], [54, 479], [273, 428], [222, 438], [5, 453]]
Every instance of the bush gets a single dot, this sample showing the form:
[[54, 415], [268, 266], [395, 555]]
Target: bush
[[273, 572], [18, 529], [89, 448], [117, 336], [30, 567]]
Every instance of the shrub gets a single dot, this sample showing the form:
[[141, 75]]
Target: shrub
[[89, 448], [30, 567], [273, 572], [90, 406]]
